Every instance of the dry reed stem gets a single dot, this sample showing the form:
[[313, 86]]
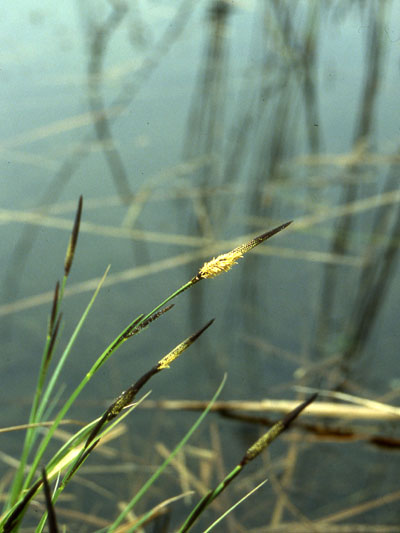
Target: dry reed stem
[[357, 400], [317, 409]]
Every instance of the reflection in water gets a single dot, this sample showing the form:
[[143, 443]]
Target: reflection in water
[[83, 149], [357, 320], [266, 140], [100, 36]]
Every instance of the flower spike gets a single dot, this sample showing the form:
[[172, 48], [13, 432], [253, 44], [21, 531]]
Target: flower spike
[[225, 262]]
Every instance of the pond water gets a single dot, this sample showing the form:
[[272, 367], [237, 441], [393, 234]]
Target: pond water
[[190, 128]]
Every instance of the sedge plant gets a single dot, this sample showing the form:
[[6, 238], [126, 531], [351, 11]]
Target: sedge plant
[[69, 458]]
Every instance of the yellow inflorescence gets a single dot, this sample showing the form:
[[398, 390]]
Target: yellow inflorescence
[[220, 264]]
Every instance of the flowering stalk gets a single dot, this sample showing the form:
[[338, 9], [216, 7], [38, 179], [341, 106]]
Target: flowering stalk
[[252, 452], [216, 266]]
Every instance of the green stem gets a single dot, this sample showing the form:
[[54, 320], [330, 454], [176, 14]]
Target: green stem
[[208, 498], [159, 471]]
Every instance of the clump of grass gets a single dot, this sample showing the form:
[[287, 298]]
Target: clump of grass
[[69, 458]]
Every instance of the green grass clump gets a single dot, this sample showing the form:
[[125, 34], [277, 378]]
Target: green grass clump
[[69, 458]]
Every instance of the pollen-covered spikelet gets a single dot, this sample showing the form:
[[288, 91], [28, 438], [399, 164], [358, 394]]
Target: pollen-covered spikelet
[[222, 263]]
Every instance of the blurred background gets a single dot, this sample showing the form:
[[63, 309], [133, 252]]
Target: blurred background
[[190, 127]]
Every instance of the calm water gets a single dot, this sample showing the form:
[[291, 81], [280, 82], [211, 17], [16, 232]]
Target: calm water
[[189, 128]]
